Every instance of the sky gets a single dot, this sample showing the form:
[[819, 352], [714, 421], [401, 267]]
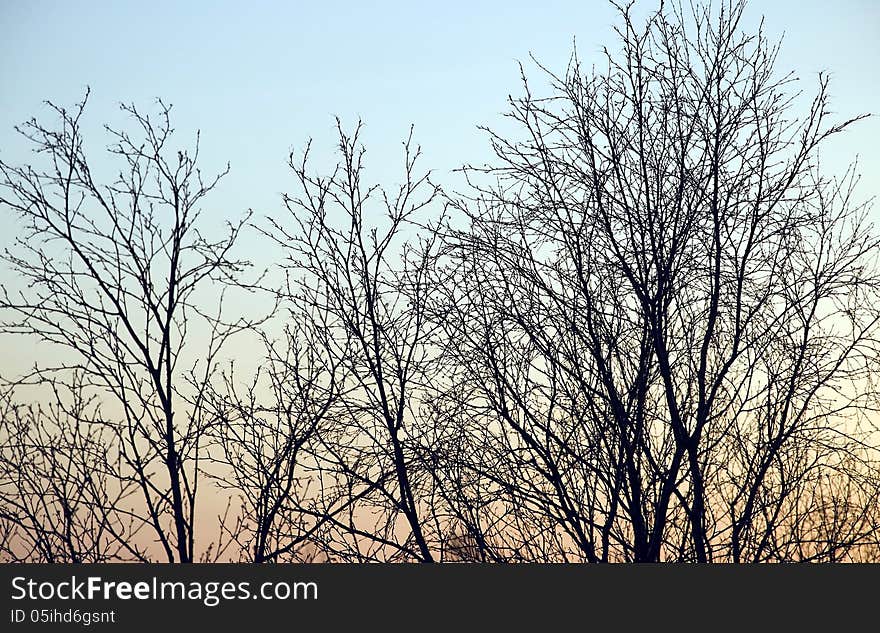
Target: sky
[[261, 78]]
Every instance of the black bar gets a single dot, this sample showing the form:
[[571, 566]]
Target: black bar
[[453, 597]]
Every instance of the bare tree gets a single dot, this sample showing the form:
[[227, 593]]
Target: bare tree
[[669, 310], [648, 332], [111, 274], [362, 287], [59, 496], [263, 432]]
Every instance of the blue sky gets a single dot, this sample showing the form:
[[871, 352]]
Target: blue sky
[[259, 78]]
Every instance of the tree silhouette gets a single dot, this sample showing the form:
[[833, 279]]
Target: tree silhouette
[[60, 493], [669, 309], [362, 287], [112, 272], [647, 331]]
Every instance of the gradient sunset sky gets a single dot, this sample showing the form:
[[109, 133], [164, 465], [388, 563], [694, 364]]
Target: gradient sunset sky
[[261, 78]]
